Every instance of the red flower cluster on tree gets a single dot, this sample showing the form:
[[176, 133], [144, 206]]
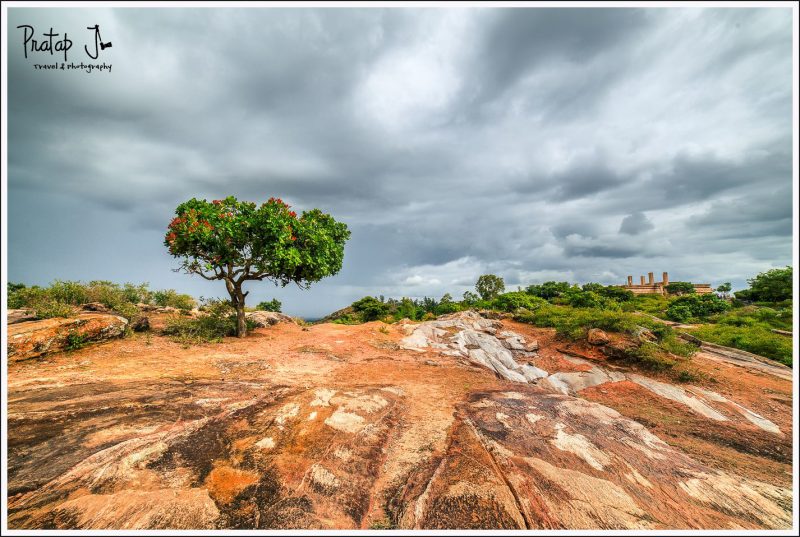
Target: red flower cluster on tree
[[278, 201], [293, 214], [216, 202]]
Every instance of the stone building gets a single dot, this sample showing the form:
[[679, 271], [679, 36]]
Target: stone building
[[652, 287]]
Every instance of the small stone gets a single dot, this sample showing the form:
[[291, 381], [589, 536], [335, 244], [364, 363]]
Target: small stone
[[597, 337]]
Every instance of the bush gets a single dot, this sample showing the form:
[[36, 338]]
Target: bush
[[218, 322], [755, 338], [574, 323], [60, 298], [680, 288], [699, 306], [548, 290], [589, 299], [652, 304], [271, 305], [772, 286], [370, 308], [173, 299], [517, 299]]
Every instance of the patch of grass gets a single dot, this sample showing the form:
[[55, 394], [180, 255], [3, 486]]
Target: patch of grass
[[757, 338], [75, 341], [218, 322], [574, 323], [383, 524]]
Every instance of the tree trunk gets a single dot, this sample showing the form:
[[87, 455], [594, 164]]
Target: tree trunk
[[241, 322], [237, 299]]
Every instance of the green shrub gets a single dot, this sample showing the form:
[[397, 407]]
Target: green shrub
[[548, 290], [771, 286], [271, 305], [75, 341], [680, 288], [46, 308], [756, 338], [218, 322], [700, 307], [171, 298], [574, 323], [517, 299], [370, 308]]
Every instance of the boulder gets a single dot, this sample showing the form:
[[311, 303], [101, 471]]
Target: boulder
[[142, 324], [263, 319], [35, 338], [597, 337], [532, 346], [20, 316], [95, 306], [643, 334]]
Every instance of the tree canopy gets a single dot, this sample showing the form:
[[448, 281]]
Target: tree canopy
[[239, 241]]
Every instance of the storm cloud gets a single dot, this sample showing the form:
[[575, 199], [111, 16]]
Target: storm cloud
[[570, 144]]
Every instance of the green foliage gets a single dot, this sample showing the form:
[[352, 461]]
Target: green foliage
[[680, 288], [489, 286], [370, 308], [772, 286], [780, 318], [271, 305], [61, 297], [652, 304], [219, 321], [697, 306], [470, 298], [615, 292], [173, 299], [724, 288], [578, 298], [75, 341], [517, 299], [757, 338], [549, 290], [574, 323], [239, 241], [267, 241]]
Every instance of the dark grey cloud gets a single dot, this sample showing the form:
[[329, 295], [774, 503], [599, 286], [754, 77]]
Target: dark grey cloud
[[579, 144], [635, 223]]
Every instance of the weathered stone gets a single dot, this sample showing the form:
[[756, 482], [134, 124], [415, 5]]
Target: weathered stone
[[20, 316], [643, 334], [95, 306], [141, 324], [32, 339], [263, 319], [597, 337], [532, 346]]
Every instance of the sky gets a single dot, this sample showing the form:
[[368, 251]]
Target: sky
[[535, 144]]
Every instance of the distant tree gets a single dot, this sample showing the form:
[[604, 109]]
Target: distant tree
[[680, 288], [371, 308], [548, 290], [771, 286], [724, 289], [446, 299], [470, 298], [489, 286], [240, 241], [271, 305]]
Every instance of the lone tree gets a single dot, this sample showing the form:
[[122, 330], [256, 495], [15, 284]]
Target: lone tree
[[489, 286], [239, 241]]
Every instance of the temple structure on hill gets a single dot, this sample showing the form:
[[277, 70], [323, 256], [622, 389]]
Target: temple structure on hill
[[652, 287]]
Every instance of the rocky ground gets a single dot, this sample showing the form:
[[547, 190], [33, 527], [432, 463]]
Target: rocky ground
[[462, 422]]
